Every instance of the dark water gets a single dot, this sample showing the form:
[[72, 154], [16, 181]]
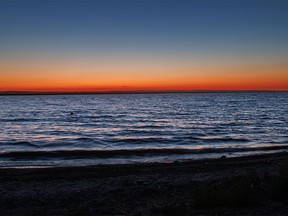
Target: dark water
[[129, 128]]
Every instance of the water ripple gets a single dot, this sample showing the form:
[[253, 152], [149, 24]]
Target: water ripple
[[220, 122]]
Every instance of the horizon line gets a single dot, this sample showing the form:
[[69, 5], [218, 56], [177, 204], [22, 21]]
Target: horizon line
[[12, 93]]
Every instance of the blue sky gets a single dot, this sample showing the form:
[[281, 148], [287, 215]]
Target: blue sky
[[205, 32], [147, 26]]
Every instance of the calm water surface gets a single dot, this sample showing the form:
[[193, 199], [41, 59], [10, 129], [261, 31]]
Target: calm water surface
[[131, 128]]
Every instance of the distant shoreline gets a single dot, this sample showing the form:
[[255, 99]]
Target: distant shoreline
[[27, 93]]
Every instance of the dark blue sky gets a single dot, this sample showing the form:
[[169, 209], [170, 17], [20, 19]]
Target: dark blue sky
[[204, 27], [89, 45]]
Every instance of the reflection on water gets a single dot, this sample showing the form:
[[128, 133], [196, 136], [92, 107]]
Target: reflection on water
[[234, 122]]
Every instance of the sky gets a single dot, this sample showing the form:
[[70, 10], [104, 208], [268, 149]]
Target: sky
[[118, 45]]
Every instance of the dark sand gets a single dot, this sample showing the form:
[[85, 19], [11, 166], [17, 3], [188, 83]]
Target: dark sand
[[188, 188]]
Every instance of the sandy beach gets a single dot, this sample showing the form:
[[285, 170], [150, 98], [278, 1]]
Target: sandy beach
[[226, 186]]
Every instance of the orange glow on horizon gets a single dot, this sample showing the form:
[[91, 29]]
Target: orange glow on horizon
[[97, 78]]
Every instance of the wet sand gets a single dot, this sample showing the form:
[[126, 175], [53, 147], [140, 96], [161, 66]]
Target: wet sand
[[180, 188]]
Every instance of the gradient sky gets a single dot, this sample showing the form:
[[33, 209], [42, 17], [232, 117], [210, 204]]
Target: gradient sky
[[143, 45]]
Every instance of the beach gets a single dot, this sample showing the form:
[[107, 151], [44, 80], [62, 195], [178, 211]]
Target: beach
[[226, 186]]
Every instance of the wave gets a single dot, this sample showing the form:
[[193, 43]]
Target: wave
[[225, 139], [101, 116], [85, 139], [21, 120], [19, 143], [144, 140], [142, 152], [151, 126]]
